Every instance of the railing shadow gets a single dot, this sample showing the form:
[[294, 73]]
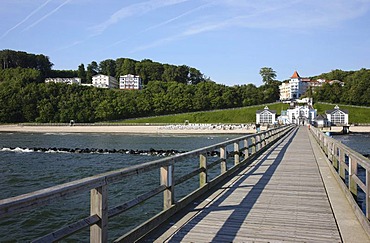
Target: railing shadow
[[240, 211]]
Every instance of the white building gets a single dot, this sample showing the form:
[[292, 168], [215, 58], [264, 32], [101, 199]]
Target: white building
[[64, 80], [337, 117], [295, 88], [104, 81], [300, 112], [130, 81], [321, 121], [265, 116]]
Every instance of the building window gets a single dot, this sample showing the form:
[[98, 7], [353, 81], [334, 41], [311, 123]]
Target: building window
[[337, 118], [266, 118]]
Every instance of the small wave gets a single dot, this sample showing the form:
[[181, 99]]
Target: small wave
[[17, 150], [54, 150], [58, 133]]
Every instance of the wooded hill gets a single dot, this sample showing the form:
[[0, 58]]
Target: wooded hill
[[169, 89]]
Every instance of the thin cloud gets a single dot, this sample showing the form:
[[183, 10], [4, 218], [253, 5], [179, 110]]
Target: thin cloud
[[164, 23], [26, 18], [295, 14], [157, 43], [47, 15], [133, 10], [289, 14]]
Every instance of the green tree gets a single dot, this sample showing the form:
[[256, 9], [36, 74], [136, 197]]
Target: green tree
[[149, 70], [268, 75], [81, 73], [92, 69], [195, 76], [127, 66], [108, 67], [20, 59]]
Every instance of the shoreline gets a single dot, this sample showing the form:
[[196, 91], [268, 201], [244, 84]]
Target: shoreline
[[352, 129], [146, 129]]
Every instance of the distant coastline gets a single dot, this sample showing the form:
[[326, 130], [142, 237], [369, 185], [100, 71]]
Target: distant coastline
[[139, 129], [352, 129], [148, 129]]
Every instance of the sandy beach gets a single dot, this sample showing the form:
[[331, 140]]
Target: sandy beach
[[148, 129], [120, 129], [359, 129]]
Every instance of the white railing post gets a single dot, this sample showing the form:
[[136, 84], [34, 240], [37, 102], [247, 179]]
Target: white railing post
[[99, 207], [246, 149], [223, 157], [254, 146], [352, 166], [203, 176], [236, 153]]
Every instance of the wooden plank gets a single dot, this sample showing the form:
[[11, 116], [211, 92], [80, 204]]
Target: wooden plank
[[281, 198]]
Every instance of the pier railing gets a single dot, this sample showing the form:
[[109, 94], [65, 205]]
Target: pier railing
[[353, 173], [244, 149]]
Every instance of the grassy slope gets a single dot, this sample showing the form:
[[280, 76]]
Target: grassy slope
[[356, 114], [248, 115], [238, 115]]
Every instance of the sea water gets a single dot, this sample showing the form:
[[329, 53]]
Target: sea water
[[22, 170]]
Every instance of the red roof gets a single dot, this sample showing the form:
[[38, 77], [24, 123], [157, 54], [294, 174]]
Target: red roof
[[295, 75]]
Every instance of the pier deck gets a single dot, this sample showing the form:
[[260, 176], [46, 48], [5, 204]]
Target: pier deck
[[280, 197]]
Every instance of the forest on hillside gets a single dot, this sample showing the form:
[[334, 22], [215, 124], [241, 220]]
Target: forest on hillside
[[40, 102], [355, 91], [169, 89], [147, 69]]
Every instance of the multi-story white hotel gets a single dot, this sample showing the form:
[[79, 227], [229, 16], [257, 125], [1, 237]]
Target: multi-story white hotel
[[64, 80], [130, 81], [104, 81], [295, 88]]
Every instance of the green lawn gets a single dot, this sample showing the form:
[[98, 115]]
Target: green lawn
[[248, 115], [355, 114], [237, 115]]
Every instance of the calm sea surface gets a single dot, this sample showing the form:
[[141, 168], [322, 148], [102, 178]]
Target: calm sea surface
[[359, 142], [22, 171]]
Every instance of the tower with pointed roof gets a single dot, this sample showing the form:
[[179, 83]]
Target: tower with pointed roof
[[294, 82], [295, 88]]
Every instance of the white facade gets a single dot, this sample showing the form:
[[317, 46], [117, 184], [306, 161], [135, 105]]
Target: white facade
[[64, 80], [130, 81], [298, 113], [266, 116], [284, 91], [104, 81], [321, 121], [337, 117], [295, 88]]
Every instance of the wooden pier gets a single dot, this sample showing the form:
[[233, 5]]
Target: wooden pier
[[281, 197]]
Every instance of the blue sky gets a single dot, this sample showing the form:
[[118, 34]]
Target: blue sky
[[227, 40]]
